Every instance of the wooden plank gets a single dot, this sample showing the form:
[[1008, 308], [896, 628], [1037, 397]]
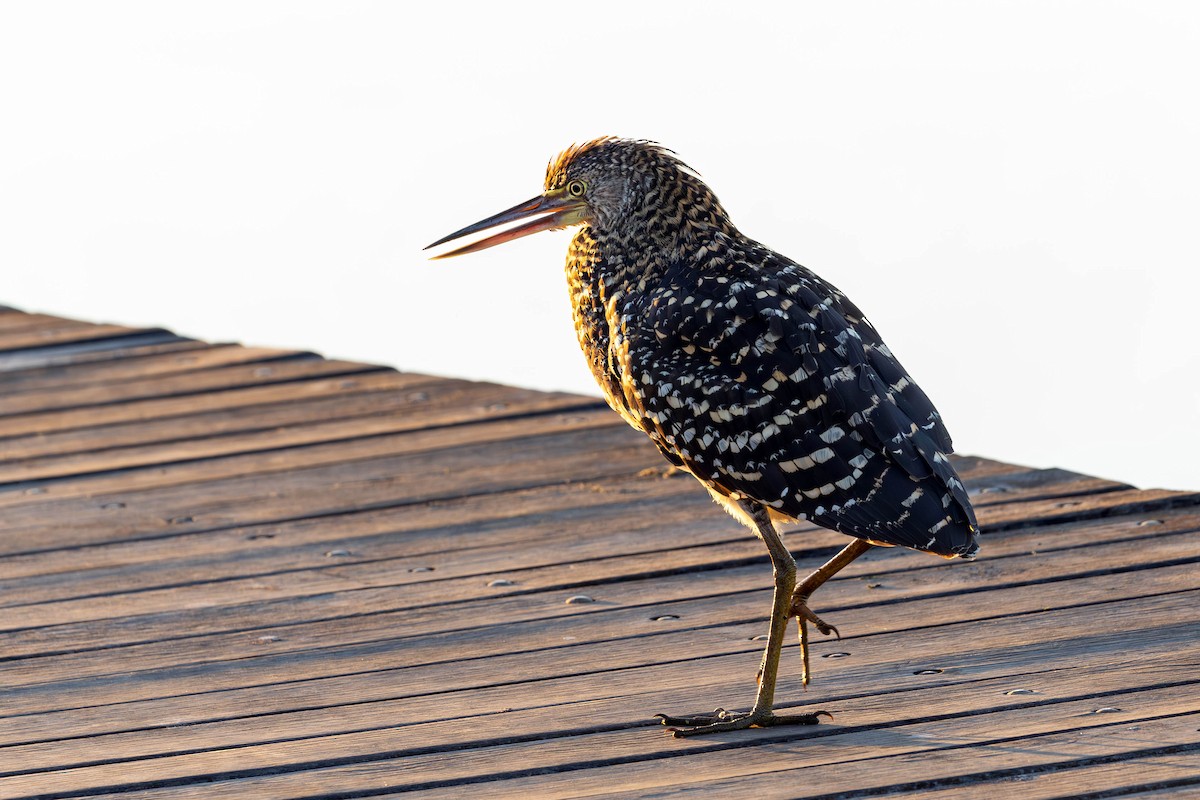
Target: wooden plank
[[353, 475], [372, 393], [1162, 767], [1120, 774], [478, 730], [536, 567], [1125, 775], [611, 639], [1169, 715], [140, 368], [365, 675], [1067, 755], [68, 332], [81, 399], [494, 550], [210, 470], [661, 521], [419, 531], [216, 469], [570, 706], [10, 321], [414, 529], [342, 383], [1175, 791], [322, 479], [1133, 644], [685, 508], [122, 515], [30, 362], [535, 527], [19, 327], [218, 587], [1005, 516], [743, 595], [414, 411], [94, 350], [166, 483]]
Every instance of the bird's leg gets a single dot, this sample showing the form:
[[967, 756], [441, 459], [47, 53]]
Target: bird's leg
[[761, 715], [799, 605]]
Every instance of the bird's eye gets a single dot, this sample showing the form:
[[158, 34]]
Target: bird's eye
[[576, 188]]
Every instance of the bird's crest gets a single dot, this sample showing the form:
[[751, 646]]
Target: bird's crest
[[628, 151], [556, 170]]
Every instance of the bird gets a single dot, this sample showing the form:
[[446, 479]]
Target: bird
[[746, 370]]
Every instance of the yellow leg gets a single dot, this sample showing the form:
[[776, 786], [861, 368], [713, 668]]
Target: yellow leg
[[761, 715], [799, 604]]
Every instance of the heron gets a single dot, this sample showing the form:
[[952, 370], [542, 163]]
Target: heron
[[748, 371]]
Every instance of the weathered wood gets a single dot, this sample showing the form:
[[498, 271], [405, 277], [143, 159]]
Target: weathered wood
[[567, 707], [1029, 745], [139, 368], [363, 459], [355, 474], [126, 394], [59, 334], [426, 399], [1183, 789], [247, 611], [614, 640], [1117, 774], [577, 557], [478, 730], [10, 321], [141, 345], [466, 407], [228, 571], [664, 508], [578, 764], [892, 575], [418, 529]]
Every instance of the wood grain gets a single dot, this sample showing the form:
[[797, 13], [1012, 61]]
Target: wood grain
[[249, 572]]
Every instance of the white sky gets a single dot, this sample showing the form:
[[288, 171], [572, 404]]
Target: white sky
[[1011, 191]]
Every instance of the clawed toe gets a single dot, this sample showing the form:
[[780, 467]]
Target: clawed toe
[[802, 612], [718, 715], [805, 615], [825, 628], [787, 601], [722, 720]]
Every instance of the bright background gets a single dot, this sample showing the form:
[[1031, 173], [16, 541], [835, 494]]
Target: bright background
[[1010, 190]]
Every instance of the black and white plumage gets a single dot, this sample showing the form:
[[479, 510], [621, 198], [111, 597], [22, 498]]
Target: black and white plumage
[[744, 368], [750, 371]]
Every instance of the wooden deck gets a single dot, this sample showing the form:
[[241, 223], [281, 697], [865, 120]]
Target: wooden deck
[[231, 572]]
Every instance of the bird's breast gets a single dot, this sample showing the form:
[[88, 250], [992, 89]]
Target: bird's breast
[[592, 315]]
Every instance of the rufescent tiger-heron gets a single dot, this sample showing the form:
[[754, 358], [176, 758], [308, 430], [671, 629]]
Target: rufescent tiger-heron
[[748, 371]]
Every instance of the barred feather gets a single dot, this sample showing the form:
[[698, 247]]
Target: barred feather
[[747, 369]]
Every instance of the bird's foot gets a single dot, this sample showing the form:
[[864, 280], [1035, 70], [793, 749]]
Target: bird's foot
[[802, 612], [805, 615], [722, 720]]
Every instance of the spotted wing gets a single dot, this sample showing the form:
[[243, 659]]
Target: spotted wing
[[767, 382]]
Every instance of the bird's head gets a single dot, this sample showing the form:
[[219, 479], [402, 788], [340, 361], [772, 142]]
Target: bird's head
[[630, 187]]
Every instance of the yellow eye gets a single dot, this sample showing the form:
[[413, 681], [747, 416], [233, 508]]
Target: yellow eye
[[576, 188]]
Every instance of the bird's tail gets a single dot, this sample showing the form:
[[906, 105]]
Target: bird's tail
[[924, 514]]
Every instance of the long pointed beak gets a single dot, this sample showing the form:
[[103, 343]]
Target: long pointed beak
[[551, 212]]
